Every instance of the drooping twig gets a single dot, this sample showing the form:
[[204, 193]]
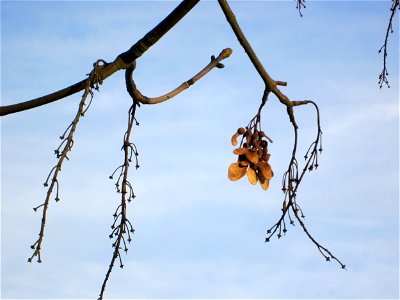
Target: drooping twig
[[383, 76], [61, 154], [291, 178], [290, 184], [122, 229], [300, 4]]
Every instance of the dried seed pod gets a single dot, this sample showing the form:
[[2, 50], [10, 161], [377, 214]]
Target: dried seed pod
[[265, 156], [242, 161], [234, 139], [248, 136], [265, 185], [263, 135], [254, 137], [252, 157], [266, 170], [240, 151], [260, 176], [252, 176], [241, 130], [235, 172], [264, 144]]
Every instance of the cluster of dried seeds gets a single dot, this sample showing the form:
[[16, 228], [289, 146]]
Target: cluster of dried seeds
[[253, 157]]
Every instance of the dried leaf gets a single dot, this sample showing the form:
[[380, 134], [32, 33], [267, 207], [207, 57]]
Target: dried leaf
[[235, 172], [266, 170], [265, 185], [252, 176]]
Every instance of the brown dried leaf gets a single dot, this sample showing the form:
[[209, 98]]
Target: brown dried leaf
[[252, 176], [266, 170], [235, 172]]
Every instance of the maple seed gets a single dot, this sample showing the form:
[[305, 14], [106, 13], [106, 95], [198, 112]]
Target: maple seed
[[252, 176], [241, 130], [235, 172]]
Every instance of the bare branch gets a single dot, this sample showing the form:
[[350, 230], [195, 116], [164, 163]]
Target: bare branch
[[135, 93], [270, 84], [122, 61]]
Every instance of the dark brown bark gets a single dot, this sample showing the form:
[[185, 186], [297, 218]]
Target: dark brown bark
[[122, 61]]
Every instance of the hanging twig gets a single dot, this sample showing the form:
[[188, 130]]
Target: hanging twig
[[383, 76], [61, 154]]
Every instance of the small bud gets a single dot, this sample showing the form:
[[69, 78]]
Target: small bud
[[30, 260], [267, 240]]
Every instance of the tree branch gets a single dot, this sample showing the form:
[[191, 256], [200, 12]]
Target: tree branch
[[122, 61], [270, 84], [135, 93]]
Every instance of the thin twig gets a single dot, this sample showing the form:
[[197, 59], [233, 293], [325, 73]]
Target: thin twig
[[134, 92], [124, 227], [66, 146], [383, 76]]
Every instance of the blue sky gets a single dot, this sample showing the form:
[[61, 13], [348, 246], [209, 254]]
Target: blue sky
[[198, 235]]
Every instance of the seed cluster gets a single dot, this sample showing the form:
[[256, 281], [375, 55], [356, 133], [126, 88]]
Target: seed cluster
[[252, 158]]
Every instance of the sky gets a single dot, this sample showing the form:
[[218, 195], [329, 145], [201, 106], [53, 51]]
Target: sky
[[198, 235]]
